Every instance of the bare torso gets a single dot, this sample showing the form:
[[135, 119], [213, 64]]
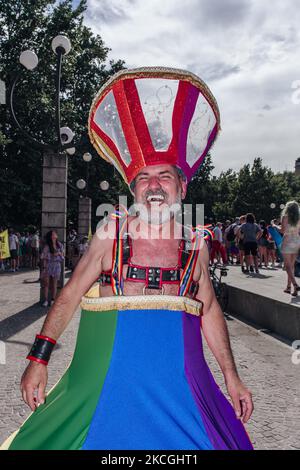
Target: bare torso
[[147, 252]]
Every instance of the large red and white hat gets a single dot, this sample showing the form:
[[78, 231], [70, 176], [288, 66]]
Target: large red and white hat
[[151, 116]]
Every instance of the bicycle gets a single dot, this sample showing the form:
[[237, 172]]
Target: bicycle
[[220, 288]]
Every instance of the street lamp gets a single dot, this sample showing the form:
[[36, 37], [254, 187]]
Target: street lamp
[[71, 150], [87, 157], [104, 185], [55, 163], [273, 206], [61, 46], [81, 184], [85, 202], [29, 59]]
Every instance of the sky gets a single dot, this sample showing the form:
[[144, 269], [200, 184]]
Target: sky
[[247, 51]]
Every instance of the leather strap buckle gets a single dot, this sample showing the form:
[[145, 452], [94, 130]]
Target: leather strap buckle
[[162, 289]]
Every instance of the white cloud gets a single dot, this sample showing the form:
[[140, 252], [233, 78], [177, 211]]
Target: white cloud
[[247, 52]]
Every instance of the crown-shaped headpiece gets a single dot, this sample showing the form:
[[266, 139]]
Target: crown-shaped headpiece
[[153, 115]]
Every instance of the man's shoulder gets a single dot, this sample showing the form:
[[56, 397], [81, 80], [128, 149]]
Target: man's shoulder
[[203, 257], [106, 231]]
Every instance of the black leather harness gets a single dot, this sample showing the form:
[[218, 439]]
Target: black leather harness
[[153, 277]]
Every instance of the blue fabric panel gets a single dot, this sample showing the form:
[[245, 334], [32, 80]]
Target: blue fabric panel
[[146, 402]]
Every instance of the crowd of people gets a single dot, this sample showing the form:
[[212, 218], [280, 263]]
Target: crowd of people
[[253, 245], [24, 250], [246, 243], [29, 251]]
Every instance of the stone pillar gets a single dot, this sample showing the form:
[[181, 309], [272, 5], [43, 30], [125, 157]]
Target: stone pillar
[[54, 203], [84, 216]]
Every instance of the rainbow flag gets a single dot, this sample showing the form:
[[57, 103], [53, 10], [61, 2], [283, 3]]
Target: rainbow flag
[[138, 380]]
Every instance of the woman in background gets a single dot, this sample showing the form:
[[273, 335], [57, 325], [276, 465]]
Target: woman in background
[[290, 226], [51, 258]]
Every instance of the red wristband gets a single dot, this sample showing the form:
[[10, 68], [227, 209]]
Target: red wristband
[[47, 338], [35, 359], [41, 349]]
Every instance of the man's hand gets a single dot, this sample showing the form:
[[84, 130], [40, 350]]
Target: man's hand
[[217, 337], [33, 384], [240, 396]]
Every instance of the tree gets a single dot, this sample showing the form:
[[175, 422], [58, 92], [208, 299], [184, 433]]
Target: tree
[[225, 195], [255, 189], [200, 188]]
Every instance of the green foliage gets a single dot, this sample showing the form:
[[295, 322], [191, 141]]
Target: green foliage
[[251, 189]]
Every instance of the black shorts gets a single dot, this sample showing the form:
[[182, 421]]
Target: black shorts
[[250, 247], [35, 252], [241, 245], [13, 254]]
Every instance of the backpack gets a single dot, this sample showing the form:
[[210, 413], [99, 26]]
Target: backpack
[[231, 235]]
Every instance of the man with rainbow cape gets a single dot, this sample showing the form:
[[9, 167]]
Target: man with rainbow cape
[[138, 378]]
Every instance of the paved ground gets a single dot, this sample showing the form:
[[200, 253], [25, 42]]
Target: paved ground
[[270, 282], [264, 364]]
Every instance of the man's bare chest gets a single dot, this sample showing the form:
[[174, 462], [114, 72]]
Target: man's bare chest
[[154, 257]]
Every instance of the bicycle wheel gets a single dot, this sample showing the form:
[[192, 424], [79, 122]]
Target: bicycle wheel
[[216, 285], [223, 296]]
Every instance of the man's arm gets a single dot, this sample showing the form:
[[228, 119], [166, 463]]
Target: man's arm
[[259, 232], [62, 311], [282, 229], [238, 234], [85, 274], [213, 323], [216, 334]]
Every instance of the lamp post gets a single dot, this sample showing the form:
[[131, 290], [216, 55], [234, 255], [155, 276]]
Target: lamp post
[[85, 202], [55, 161]]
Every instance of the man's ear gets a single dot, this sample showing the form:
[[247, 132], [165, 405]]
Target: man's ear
[[183, 189]]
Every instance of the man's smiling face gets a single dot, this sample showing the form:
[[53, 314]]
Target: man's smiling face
[[157, 188]]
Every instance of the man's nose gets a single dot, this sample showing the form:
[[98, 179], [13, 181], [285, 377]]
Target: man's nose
[[154, 183]]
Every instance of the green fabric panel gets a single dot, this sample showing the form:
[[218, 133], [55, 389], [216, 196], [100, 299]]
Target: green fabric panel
[[63, 421]]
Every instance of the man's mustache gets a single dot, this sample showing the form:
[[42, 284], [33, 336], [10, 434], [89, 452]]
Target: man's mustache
[[158, 192]]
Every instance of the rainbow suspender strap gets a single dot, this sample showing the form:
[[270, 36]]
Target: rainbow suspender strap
[[120, 215], [200, 232], [187, 274], [117, 281]]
